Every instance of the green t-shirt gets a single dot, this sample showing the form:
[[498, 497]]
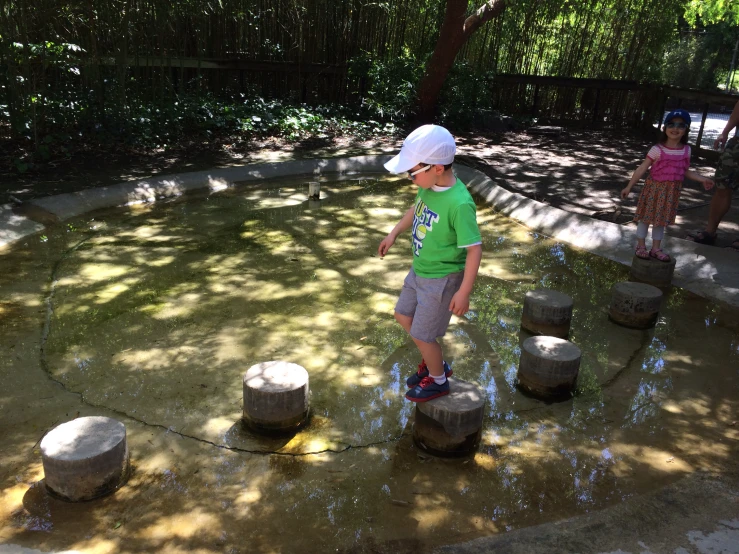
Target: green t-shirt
[[444, 223]]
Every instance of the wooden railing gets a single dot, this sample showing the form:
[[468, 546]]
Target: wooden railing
[[601, 102]]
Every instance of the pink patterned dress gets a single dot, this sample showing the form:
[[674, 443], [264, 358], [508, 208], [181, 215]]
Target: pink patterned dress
[[661, 193]]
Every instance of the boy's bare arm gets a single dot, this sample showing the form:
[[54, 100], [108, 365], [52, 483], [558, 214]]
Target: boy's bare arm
[[460, 303], [405, 223]]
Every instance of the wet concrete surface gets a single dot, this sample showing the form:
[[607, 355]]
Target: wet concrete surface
[[153, 314]]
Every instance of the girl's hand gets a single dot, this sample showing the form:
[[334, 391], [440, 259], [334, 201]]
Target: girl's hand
[[708, 184], [625, 193]]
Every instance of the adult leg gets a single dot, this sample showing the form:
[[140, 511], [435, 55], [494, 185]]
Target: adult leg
[[726, 182], [720, 204]]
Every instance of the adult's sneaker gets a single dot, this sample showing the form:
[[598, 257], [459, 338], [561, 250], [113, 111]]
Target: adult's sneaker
[[427, 390], [423, 371]]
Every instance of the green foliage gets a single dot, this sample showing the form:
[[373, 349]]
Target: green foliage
[[466, 94], [697, 57], [391, 89], [62, 79], [388, 87], [712, 11], [164, 122]]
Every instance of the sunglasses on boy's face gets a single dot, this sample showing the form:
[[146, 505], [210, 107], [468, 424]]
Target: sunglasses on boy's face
[[676, 125], [412, 174]]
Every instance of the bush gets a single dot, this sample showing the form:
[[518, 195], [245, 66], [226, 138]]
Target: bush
[[465, 95], [387, 89]]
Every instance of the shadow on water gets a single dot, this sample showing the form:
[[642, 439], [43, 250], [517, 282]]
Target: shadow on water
[[158, 312]]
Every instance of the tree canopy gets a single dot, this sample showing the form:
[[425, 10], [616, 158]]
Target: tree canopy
[[118, 65]]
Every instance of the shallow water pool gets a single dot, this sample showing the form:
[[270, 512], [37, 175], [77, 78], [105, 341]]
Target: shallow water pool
[[152, 315]]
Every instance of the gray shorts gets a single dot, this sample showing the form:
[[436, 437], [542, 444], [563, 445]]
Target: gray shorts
[[427, 302]]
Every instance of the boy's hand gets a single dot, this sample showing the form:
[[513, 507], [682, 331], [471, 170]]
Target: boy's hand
[[385, 245], [460, 303], [708, 184]]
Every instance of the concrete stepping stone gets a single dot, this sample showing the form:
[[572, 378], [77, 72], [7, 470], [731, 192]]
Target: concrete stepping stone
[[314, 190], [450, 425], [276, 396], [635, 305], [547, 312], [85, 458], [652, 272], [548, 367], [547, 130]]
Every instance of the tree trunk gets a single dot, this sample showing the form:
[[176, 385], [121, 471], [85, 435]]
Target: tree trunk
[[455, 30]]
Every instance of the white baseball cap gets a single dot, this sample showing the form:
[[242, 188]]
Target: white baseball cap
[[429, 144]]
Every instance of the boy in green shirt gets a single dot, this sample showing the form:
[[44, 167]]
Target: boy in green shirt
[[447, 250]]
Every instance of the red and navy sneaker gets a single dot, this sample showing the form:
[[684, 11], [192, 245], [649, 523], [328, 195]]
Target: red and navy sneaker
[[427, 390], [423, 371]]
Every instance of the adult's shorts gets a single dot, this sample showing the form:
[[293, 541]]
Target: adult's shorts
[[727, 173]]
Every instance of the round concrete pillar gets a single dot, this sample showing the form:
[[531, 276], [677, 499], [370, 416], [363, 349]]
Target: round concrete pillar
[[635, 305], [314, 190], [85, 458], [276, 396], [652, 272], [548, 367], [547, 312], [450, 425]]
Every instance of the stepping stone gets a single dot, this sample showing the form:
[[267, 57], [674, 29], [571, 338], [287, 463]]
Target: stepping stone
[[314, 190], [548, 367], [545, 130], [652, 272], [276, 396], [547, 312], [635, 305], [450, 425], [85, 458]]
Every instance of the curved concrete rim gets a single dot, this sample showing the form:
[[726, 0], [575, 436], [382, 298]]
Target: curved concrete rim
[[704, 270]]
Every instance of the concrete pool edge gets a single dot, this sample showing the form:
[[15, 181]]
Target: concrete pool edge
[[695, 514], [704, 270]]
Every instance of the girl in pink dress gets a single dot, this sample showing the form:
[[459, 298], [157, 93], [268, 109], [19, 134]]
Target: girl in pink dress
[[669, 161]]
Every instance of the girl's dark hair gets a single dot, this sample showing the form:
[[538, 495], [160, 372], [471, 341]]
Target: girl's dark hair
[[683, 139]]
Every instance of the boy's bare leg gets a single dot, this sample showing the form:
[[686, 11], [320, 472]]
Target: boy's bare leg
[[431, 352], [405, 321]]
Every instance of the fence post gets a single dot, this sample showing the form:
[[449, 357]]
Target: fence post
[[660, 123], [536, 99], [703, 124], [597, 102]]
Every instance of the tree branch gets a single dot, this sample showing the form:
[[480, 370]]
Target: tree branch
[[486, 12]]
